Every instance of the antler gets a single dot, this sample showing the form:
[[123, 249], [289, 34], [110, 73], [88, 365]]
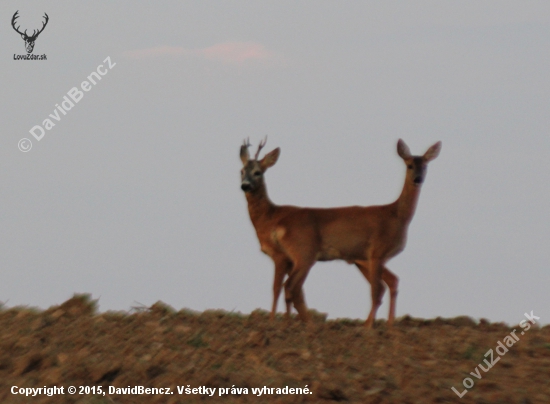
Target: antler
[[245, 156], [34, 35], [15, 16], [260, 147]]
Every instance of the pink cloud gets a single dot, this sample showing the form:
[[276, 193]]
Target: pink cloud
[[226, 52]]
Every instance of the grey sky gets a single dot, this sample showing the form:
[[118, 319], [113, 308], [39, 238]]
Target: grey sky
[[134, 195]]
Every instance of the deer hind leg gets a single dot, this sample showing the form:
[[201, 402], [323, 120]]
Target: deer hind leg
[[282, 267]]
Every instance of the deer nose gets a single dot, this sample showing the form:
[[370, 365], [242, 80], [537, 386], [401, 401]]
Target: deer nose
[[245, 186], [418, 180]]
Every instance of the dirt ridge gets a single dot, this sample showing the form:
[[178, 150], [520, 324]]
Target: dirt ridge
[[416, 361]]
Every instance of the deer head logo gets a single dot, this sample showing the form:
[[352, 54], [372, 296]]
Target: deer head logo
[[29, 39]]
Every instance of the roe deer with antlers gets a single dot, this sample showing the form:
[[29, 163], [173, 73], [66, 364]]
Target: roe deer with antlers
[[295, 237]]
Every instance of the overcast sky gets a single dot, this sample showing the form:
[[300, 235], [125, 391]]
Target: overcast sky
[[134, 195]]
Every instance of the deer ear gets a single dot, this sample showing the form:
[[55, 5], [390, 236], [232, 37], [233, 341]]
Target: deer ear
[[432, 152], [403, 150], [270, 159], [245, 156]]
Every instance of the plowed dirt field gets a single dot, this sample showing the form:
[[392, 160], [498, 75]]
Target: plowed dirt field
[[248, 359]]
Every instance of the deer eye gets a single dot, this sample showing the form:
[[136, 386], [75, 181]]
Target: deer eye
[[409, 166], [258, 173]]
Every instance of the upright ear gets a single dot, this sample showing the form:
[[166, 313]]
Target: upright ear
[[432, 152], [403, 150], [270, 159], [245, 156]]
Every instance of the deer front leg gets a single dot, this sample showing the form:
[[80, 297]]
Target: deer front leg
[[389, 279], [300, 245], [377, 289], [294, 289], [392, 281], [277, 286], [282, 267]]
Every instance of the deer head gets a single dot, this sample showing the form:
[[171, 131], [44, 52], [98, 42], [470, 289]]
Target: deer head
[[29, 39], [417, 165], [253, 170]]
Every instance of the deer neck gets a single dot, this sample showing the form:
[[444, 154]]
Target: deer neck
[[260, 206], [406, 203]]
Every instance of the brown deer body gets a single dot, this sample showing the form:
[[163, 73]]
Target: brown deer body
[[295, 238]]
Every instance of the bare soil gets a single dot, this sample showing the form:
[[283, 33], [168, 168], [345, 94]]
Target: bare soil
[[416, 361]]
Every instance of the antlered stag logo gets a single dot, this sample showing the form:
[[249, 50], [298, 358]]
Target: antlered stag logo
[[29, 39]]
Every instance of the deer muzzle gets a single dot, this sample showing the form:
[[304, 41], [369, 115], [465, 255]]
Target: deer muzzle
[[245, 186]]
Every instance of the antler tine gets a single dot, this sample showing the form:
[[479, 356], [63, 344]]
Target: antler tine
[[35, 33], [15, 17], [260, 147], [45, 22]]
